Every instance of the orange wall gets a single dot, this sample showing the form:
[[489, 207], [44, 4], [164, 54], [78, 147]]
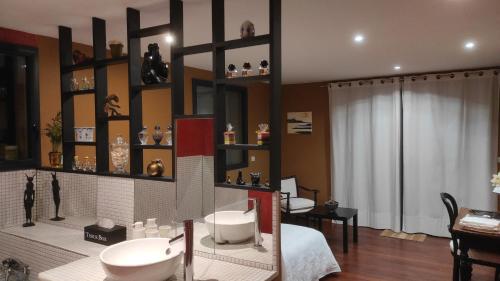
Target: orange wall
[[308, 156]]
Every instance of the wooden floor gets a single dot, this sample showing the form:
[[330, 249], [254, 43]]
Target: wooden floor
[[383, 258]]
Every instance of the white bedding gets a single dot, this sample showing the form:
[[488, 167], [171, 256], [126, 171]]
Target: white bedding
[[305, 254]]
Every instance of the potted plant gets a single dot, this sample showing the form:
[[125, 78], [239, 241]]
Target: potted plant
[[54, 132]]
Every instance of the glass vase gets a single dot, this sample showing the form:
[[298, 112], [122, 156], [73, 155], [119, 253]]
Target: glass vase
[[157, 135], [143, 136], [119, 155]]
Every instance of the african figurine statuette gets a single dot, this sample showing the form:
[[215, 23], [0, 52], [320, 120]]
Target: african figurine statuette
[[111, 105], [29, 200], [57, 196]]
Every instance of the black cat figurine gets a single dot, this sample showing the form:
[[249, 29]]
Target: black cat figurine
[[29, 200], [154, 70], [56, 196]]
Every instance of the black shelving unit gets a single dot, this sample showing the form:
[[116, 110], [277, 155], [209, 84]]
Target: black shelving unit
[[136, 89], [99, 65], [219, 46]]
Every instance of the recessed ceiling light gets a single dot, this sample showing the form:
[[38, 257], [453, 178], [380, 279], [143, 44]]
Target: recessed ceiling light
[[470, 45], [169, 38], [397, 67], [358, 38]]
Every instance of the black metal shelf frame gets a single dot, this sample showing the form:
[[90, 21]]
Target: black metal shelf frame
[[218, 46], [99, 65], [273, 39], [136, 89]]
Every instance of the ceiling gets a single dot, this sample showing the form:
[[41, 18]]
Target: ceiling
[[317, 39]]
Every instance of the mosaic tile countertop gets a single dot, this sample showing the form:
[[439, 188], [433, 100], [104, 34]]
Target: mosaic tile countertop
[[89, 269], [60, 237]]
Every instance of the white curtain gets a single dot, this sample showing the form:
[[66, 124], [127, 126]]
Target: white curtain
[[365, 134], [450, 145]]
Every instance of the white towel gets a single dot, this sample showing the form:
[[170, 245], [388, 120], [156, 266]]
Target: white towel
[[480, 223]]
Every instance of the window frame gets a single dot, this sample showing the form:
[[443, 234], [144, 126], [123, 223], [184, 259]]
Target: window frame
[[244, 113], [33, 110]]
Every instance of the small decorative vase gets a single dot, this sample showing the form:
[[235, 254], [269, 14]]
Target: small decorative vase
[[263, 135], [74, 85], [247, 29], [76, 163], [143, 136], [85, 83], [119, 154], [231, 71], [116, 48], [55, 159], [153, 70], [168, 135], [156, 168], [255, 178], [264, 67], [239, 180], [229, 135], [247, 69], [157, 135]]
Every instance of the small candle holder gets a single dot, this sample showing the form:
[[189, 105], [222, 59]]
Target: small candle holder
[[264, 67], [168, 135], [263, 134], [229, 135], [231, 71], [247, 69]]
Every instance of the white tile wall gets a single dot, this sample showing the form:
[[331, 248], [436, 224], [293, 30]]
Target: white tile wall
[[154, 199], [115, 199], [208, 182], [78, 199], [189, 188]]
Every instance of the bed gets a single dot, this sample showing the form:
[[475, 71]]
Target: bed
[[305, 254]]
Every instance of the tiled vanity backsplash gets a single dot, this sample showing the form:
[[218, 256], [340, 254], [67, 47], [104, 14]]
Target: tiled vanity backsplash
[[125, 200], [86, 198]]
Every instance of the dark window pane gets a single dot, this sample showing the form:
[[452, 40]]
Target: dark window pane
[[14, 102]]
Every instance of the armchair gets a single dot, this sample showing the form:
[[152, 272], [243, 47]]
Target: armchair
[[291, 203]]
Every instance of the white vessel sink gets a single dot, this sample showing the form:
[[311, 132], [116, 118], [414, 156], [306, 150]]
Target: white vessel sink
[[231, 226], [142, 259]]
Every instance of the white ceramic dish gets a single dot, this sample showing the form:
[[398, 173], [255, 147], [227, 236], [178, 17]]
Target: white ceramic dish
[[142, 259], [231, 226]]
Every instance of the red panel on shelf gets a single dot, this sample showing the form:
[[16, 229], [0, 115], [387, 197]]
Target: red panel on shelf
[[195, 137], [17, 37], [266, 209]]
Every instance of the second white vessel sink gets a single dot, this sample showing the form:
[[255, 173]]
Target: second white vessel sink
[[231, 226], [142, 259]]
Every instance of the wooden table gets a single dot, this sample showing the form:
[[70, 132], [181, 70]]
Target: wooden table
[[339, 214], [470, 239]]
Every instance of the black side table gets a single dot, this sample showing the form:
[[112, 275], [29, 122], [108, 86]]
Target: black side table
[[339, 214]]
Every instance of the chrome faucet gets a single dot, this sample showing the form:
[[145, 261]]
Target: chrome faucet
[[257, 233], [188, 254]]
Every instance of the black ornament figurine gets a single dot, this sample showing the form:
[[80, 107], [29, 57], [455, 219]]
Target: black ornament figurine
[[255, 177], [29, 200], [57, 196], [153, 69], [239, 180]]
